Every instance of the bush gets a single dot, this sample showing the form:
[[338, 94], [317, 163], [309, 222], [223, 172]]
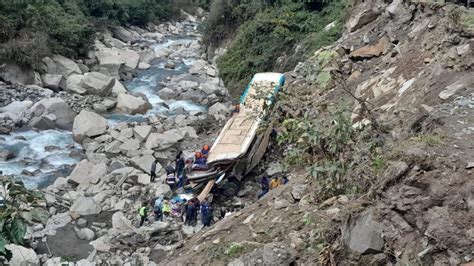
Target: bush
[[27, 49], [272, 35]]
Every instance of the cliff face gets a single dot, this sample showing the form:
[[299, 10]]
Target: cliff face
[[403, 73]]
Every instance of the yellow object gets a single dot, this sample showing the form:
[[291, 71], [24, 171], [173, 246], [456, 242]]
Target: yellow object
[[166, 207], [274, 184], [142, 211]]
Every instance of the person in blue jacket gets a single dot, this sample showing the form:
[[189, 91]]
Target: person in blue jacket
[[206, 213]]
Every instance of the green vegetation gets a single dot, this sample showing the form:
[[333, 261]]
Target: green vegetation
[[21, 206], [271, 35], [31, 29]]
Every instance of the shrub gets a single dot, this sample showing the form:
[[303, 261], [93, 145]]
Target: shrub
[[273, 34], [27, 49]]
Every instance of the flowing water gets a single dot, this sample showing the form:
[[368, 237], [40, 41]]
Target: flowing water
[[41, 156]]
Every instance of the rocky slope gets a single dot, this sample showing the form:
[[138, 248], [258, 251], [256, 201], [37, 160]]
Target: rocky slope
[[406, 71]]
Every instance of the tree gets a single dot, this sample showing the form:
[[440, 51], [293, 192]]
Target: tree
[[21, 207]]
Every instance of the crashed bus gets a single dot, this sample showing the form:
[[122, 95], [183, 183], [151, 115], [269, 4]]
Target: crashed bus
[[242, 142]]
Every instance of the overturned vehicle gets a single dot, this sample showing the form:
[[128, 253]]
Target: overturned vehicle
[[242, 142]]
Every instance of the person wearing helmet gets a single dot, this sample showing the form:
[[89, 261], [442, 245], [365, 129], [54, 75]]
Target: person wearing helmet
[[199, 161], [205, 151]]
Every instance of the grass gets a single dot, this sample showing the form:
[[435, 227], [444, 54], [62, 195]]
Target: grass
[[431, 140]]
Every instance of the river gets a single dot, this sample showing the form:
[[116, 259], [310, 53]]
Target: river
[[42, 156]]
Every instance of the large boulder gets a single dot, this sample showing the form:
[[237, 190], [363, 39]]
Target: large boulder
[[130, 59], [85, 206], [218, 109], [141, 132], [144, 162], [17, 107], [56, 109], [118, 88], [167, 94], [22, 256], [127, 103], [158, 141], [74, 84], [364, 234], [60, 65], [88, 124], [97, 83], [120, 222], [84, 233], [110, 62], [16, 74], [363, 18], [86, 173], [54, 82], [370, 51], [125, 35]]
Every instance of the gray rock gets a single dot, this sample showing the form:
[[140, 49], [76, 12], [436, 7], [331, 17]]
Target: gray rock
[[54, 82], [455, 87], [125, 35], [274, 169], [60, 65], [99, 108], [281, 204], [81, 222], [118, 88], [297, 191], [74, 84], [97, 83], [44, 122], [84, 233], [167, 94], [141, 132], [59, 108], [16, 74], [144, 162], [162, 189], [85, 206], [164, 141], [364, 234], [101, 244], [88, 124], [86, 173], [130, 104], [130, 145], [109, 103], [22, 256], [363, 18], [170, 65], [6, 155], [218, 109], [17, 107], [120, 222]]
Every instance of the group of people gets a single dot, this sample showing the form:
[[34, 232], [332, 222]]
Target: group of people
[[176, 176], [266, 184], [187, 211]]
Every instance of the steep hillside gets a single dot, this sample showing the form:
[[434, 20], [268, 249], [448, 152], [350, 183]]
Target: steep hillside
[[376, 133]]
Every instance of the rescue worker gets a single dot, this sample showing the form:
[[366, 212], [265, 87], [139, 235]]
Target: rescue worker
[[236, 109], [166, 209], [157, 209], [199, 161], [180, 173], [170, 178], [205, 151], [206, 213], [190, 212], [153, 170], [275, 183], [264, 186], [197, 206], [143, 212]]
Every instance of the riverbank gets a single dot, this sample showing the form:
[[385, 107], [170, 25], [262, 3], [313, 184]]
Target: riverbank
[[105, 125]]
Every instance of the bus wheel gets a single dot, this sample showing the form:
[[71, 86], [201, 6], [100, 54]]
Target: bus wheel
[[230, 189]]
